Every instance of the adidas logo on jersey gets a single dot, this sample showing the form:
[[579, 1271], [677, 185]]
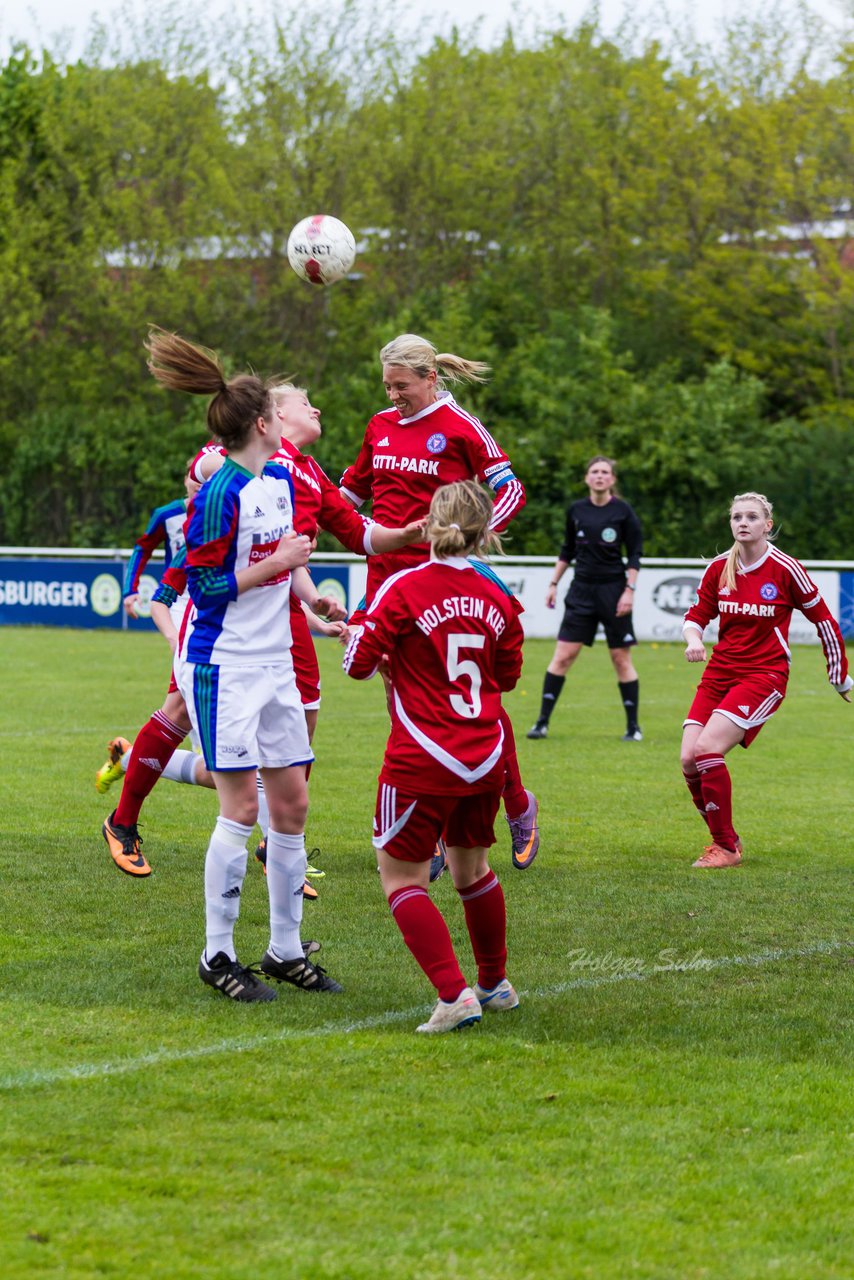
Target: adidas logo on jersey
[[258, 511], [382, 444]]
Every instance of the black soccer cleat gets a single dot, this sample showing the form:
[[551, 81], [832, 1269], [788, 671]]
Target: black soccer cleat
[[540, 730], [300, 973], [233, 979]]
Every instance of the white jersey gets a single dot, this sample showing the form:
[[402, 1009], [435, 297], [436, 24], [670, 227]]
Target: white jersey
[[235, 520]]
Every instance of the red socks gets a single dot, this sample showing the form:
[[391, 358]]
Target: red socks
[[426, 934], [513, 793], [152, 747], [695, 786], [716, 785], [486, 921]]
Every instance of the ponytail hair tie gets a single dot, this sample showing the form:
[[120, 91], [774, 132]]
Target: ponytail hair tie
[[454, 526]]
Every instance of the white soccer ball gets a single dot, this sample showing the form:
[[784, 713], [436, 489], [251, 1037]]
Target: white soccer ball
[[321, 249]]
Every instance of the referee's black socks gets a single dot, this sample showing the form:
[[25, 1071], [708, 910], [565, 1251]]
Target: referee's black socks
[[630, 693], [552, 686]]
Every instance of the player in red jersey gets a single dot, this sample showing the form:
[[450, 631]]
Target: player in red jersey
[[452, 641], [752, 590], [426, 440]]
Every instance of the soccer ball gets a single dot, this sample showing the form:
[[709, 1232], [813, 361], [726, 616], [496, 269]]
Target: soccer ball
[[321, 249]]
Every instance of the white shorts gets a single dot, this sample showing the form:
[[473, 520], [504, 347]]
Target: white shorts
[[246, 717]]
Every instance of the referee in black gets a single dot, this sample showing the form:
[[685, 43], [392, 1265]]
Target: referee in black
[[598, 530]]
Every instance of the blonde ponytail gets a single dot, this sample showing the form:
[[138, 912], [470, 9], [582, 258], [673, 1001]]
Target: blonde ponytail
[[458, 524]]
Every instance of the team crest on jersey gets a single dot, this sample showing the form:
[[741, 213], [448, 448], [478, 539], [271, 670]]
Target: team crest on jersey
[[282, 502], [768, 591], [437, 443], [609, 535]]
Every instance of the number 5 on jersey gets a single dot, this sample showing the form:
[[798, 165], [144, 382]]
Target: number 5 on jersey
[[465, 668]]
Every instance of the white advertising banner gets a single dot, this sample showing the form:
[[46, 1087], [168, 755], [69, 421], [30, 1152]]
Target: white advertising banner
[[661, 599]]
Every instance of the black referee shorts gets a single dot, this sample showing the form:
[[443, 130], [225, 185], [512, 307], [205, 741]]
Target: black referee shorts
[[588, 604]]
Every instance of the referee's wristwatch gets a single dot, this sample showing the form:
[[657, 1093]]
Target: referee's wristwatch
[[631, 586]]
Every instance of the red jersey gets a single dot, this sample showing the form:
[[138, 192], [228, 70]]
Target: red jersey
[[317, 501], [454, 642], [403, 461], [754, 618]]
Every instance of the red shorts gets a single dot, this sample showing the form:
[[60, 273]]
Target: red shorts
[[748, 702], [407, 826], [305, 659]]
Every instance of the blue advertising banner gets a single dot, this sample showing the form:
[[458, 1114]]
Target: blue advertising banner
[[88, 593], [67, 593], [846, 604]]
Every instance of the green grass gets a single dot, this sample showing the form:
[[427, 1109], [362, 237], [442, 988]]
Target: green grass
[[673, 1098]]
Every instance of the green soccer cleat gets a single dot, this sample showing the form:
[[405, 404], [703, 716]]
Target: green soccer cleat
[[111, 770]]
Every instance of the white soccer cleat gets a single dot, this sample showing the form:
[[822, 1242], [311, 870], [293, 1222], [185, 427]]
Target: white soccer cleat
[[451, 1016], [501, 997]]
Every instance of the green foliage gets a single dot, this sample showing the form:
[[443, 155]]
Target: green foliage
[[622, 228], [92, 481]]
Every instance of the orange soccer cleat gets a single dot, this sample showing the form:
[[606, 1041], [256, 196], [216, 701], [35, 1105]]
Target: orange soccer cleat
[[715, 856]]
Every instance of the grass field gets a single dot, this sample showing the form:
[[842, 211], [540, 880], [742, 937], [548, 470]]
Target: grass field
[[672, 1099]]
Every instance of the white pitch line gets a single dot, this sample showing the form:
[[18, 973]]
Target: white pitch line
[[159, 1057]]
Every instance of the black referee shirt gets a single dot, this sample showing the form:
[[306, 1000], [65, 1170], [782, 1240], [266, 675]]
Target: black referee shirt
[[595, 538]]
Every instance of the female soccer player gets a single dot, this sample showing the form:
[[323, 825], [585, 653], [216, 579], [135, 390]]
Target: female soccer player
[[165, 525], [599, 529], [452, 641], [318, 504], [425, 440], [235, 668], [752, 589]]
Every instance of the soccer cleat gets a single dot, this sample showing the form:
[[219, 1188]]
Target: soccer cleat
[[633, 734], [111, 770], [123, 844], [261, 853], [439, 861], [714, 856], [300, 973], [233, 979], [454, 1014], [310, 948], [501, 997], [525, 834], [540, 730], [314, 873], [309, 892]]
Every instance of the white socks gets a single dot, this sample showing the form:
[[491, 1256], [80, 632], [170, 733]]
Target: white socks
[[181, 767], [286, 864], [225, 868], [263, 809]]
